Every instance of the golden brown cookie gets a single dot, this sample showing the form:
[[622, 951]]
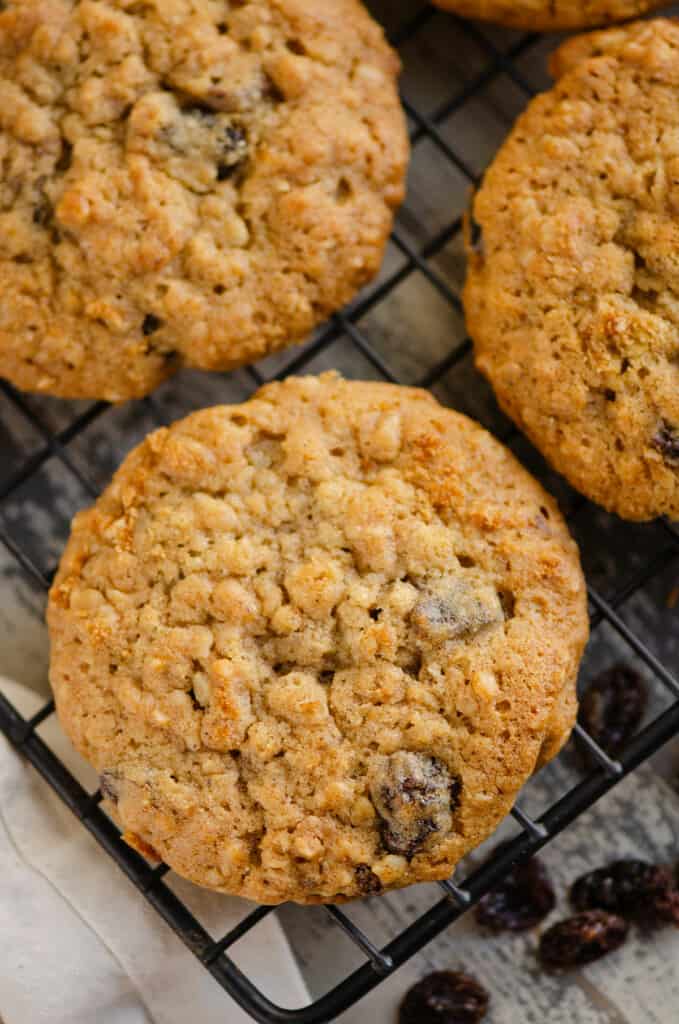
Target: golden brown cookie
[[572, 295], [550, 15], [185, 182], [315, 643]]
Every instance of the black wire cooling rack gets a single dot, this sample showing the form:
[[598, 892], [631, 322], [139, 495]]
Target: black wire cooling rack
[[483, 64]]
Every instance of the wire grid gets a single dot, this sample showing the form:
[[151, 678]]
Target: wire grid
[[55, 445]]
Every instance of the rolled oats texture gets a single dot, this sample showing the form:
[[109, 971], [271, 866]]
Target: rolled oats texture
[[186, 182], [571, 297], [315, 643]]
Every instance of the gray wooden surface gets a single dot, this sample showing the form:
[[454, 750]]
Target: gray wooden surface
[[412, 329]]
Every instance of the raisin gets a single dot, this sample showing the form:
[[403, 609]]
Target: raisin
[[636, 889], [666, 441], [508, 603], [194, 141], [612, 708], [524, 897], [234, 149], [367, 881], [66, 157], [453, 607], [415, 797], [445, 997], [407, 844], [108, 784], [582, 939], [151, 324], [43, 213], [455, 793]]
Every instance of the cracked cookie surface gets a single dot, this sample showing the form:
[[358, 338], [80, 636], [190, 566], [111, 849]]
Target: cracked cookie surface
[[572, 294], [315, 643], [185, 182], [550, 15]]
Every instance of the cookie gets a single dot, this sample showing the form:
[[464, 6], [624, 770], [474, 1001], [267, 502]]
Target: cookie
[[186, 182], [572, 294], [315, 643], [550, 15]]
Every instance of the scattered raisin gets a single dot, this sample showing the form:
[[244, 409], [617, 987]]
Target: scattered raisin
[[612, 708], [632, 888], [582, 939], [445, 997], [523, 898], [151, 324], [666, 441], [367, 881]]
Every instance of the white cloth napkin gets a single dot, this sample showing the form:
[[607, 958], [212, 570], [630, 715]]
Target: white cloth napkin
[[79, 944]]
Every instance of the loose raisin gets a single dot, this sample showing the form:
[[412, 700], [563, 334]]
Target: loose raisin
[[645, 892], [445, 997], [612, 708], [582, 939], [523, 899]]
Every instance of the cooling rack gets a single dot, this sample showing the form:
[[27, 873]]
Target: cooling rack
[[456, 74]]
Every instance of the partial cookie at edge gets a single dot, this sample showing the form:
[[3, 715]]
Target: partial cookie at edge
[[550, 15], [183, 188], [571, 294]]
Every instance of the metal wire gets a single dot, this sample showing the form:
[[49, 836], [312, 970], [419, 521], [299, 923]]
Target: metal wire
[[605, 610]]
